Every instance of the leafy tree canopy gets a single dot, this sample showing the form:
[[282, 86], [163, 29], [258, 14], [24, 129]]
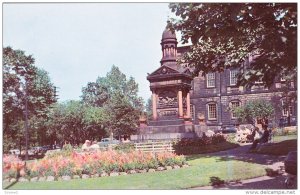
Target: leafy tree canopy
[[149, 108], [74, 122], [20, 75], [23, 80], [254, 110], [224, 35], [100, 92], [118, 96]]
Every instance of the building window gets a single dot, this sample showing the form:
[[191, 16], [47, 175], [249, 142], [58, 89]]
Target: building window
[[233, 105], [285, 110], [233, 77], [210, 79], [212, 111]]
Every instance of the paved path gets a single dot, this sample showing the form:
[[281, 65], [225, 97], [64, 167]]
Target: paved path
[[266, 182]]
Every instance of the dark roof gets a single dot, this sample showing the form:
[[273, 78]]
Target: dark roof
[[184, 49], [167, 34]]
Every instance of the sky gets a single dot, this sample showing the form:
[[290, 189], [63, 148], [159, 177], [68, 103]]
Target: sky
[[77, 42]]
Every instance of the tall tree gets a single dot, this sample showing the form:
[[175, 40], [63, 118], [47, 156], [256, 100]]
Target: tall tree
[[95, 120], [255, 111], [224, 35], [21, 79], [98, 93], [123, 117], [149, 108], [118, 96], [73, 122], [15, 65], [95, 93]]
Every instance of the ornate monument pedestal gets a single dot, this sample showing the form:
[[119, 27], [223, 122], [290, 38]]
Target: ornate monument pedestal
[[170, 85]]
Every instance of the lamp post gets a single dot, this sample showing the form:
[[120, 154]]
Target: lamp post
[[24, 86], [220, 90], [26, 122]]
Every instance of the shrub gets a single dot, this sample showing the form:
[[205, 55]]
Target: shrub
[[66, 170], [125, 147], [112, 168], [170, 162], [218, 138], [153, 164], [180, 160], [87, 169], [128, 166], [194, 146], [67, 148], [49, 172], [96, 167], [12, 173], [32, 173]]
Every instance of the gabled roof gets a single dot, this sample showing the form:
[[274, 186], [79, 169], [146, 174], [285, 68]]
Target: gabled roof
[[164, 70]]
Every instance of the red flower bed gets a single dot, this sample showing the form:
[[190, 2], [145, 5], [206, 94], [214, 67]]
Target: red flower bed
[[12, 166], [97, 162]]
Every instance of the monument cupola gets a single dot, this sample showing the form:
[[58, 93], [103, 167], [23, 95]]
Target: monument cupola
[[169, 48]]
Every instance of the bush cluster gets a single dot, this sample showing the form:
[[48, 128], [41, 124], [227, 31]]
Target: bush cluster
[[285, 131], [193, 146], [126, 147]]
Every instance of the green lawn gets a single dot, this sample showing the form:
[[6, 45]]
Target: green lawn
[[200, 172], [279, 148], [188, 150], [284, 137]]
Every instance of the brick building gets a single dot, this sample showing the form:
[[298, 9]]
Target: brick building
[[210, 96], [214, 94]]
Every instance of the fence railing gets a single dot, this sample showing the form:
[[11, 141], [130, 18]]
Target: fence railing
[[154, 146]]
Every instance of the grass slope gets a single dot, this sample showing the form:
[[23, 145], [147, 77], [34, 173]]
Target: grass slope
[[280, 148], [187, 150], [284, 137]]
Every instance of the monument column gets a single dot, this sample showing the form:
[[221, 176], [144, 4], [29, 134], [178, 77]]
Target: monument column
[[154, 110], [180, 105], [188, 105]]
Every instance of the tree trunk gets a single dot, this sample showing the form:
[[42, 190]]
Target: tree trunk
[[289, 119]]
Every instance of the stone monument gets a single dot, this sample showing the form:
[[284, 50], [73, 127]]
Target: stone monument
[[170, 85]]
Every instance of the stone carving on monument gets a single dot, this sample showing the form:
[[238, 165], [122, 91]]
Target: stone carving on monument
[[167, 112], [167, 99], [164, 71], [167, 104]]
